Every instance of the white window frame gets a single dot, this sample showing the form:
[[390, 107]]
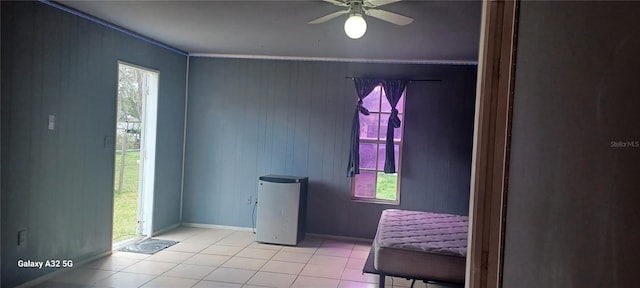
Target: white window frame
[[382, 142]]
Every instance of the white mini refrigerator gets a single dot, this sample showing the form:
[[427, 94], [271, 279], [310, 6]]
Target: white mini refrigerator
[[282, 203]]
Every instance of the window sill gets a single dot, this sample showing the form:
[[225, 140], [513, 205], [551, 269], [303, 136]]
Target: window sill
[[376, 201]]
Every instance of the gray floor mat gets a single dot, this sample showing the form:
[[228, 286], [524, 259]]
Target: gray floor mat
[[149, 246]]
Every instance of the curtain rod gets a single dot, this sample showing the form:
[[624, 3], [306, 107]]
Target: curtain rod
[[410, 80]]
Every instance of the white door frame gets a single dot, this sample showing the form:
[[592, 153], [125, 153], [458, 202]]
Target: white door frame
[[147, 152], [148, 155], [489, 172]]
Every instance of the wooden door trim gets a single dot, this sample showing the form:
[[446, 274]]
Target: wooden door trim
[[489, 172]]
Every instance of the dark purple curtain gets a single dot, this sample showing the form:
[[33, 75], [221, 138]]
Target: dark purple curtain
[[393, 89], [363, 88]]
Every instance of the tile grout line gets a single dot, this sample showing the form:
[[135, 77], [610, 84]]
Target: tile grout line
[[321, 248]]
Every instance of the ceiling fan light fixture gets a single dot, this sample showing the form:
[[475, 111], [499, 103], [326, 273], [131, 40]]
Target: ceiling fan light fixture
[[355, 26]]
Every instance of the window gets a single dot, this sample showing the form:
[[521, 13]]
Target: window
[[372, 184]]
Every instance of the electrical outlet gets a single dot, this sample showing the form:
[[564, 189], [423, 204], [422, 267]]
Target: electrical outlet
[[250, 199], [22, 238]]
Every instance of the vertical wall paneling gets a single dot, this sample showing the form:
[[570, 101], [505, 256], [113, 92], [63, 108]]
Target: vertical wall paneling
[[253, 117], [58, 184], [572, 208]]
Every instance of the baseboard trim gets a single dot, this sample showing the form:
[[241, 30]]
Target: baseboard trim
[[165, 229], [221, 227], [336, 237], [249, 229], [52, 275]]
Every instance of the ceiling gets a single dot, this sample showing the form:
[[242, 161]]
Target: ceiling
[[443, 31]]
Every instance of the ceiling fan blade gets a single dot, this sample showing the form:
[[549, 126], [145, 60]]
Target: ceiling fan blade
[[339, 3], [394, 18], [377, 3], [328, 17]]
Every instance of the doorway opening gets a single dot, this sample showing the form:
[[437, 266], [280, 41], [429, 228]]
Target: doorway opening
[[135, 153]]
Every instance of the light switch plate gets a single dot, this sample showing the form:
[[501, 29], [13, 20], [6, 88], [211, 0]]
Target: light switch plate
[[52, 121]]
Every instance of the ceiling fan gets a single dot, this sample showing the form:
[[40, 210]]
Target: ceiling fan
[[355, 26]]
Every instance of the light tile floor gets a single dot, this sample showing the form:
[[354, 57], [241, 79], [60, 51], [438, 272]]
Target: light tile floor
[[208, 258]]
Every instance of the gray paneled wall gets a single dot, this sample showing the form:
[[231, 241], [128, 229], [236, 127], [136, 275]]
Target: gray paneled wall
[[572, 210], [59, 184], [248, 118]]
